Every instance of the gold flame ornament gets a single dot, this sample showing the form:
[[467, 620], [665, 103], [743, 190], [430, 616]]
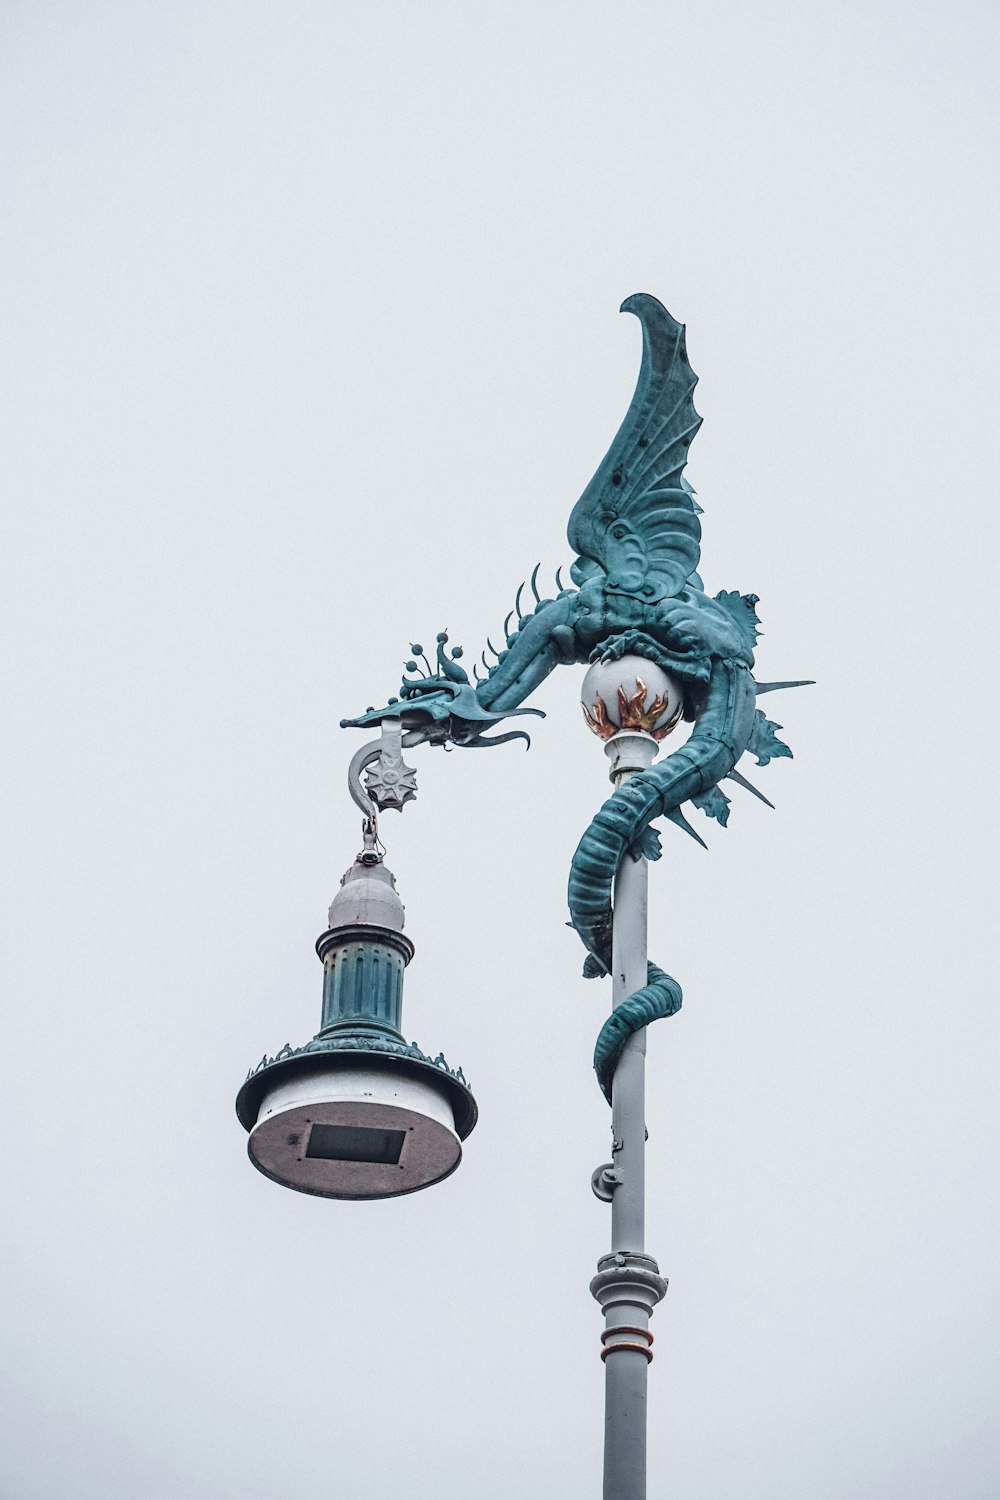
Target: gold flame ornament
[[631, 692], [632, 713]]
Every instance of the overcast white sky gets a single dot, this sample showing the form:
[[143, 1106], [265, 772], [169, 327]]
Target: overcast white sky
[[310, 343]]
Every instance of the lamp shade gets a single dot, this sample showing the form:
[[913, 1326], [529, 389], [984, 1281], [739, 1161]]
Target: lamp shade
[[358, 1112]]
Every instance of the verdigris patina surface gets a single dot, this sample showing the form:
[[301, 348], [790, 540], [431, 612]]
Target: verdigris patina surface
[[637, 591]]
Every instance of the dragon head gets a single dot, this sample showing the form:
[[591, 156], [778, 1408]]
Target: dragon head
[[440, 706]]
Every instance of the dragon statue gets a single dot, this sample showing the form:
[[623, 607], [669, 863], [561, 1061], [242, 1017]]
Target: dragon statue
[[637, 591]]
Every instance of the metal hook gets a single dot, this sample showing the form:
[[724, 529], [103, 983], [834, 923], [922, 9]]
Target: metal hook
[[362, 758]]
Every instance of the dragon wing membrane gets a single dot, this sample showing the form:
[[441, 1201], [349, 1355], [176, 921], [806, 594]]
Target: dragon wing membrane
[[637, 518]]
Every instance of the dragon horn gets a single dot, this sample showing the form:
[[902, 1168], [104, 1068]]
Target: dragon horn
[[676, 817], [534, 589], [517, 601], [774, 687], [748, 786]]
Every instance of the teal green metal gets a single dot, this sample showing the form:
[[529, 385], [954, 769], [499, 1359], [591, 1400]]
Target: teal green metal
[[362, 983], [637, 533]]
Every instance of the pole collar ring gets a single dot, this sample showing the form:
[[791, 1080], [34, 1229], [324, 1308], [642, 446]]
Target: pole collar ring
[[626, 1328], [626, 1344]]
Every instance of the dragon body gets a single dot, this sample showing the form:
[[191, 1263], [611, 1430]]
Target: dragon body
[[637, 591]]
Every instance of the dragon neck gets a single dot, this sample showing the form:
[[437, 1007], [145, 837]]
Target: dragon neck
[[543, 640]]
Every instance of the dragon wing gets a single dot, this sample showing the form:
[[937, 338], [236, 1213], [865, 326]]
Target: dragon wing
[[637, 518]]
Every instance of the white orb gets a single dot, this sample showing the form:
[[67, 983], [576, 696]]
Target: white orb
[[631, 693]]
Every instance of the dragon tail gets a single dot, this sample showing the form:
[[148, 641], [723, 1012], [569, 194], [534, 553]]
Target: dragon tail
[[722, 729]]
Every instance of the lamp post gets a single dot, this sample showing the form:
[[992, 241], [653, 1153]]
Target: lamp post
[[632, 704], [358, 1112]]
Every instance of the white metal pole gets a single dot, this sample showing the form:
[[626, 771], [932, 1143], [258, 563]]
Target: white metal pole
[[628, 1284]]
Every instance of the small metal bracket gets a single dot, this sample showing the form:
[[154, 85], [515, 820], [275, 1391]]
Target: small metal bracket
[[369, 832], [390, 782], [603, 1181]]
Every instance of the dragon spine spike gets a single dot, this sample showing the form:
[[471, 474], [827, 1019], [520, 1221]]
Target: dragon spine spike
[[534, 586], [475, 671], [517, 601], [490, 644], [676, 817], [775, 687], [748, 786], [559, 582], [486, 665], [506, 625]]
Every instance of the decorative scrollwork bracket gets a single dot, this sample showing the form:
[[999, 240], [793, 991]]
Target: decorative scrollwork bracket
[[388, 781]]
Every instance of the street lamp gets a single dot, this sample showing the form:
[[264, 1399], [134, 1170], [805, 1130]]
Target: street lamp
[[359, 1112]]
